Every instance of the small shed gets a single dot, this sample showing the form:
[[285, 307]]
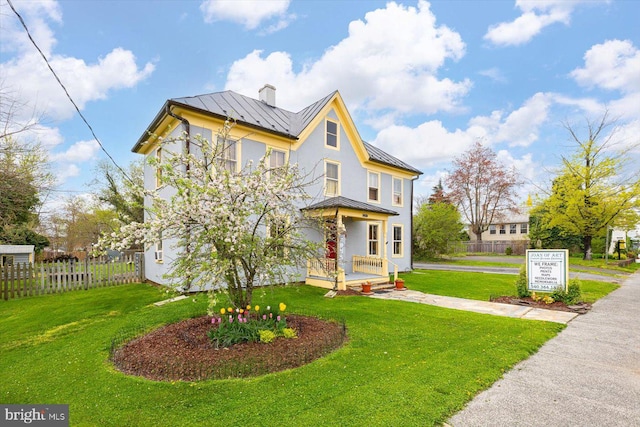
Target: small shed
[[16, 254]]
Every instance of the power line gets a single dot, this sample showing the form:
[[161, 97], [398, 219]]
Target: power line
[[95, 137]]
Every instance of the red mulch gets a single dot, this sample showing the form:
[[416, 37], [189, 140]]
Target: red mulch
[[579, 308], [183, 351]]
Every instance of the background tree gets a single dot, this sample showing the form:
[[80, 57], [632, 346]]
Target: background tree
[[438, 194], [482, 188], [241, 228], [596, 185], [24, 174], [435, 225], [122, 193]]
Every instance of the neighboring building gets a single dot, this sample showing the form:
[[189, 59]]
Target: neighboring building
[[366, 192], [511, 231], [16, 254]]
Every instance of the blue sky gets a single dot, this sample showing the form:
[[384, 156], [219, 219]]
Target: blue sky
[[422, 80]]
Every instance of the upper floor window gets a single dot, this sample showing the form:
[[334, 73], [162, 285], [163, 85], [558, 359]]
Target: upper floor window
[[374, 186], [228, 154], [397, 240], [492, 229], [513, 228], [331, 136], [503, 230], [331, 179], [158, 167], [523, 228], [277, 160], [397, 192]]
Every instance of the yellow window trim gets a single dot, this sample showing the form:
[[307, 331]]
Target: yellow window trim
[[401, 254], [335, 162], [337, 123], [379, 186], [393, 203]]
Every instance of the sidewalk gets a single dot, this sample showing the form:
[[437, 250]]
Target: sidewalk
[[485, 307], [589, 375]]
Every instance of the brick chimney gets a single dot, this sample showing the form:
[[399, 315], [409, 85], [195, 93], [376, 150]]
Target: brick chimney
[[268, 95]]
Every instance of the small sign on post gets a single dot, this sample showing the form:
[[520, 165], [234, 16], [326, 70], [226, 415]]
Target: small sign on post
[[547, 269]]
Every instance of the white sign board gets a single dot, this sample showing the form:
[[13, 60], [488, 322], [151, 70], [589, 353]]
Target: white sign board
[[547, 269]]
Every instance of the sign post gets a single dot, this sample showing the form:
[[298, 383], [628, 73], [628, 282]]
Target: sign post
[[547, 269]]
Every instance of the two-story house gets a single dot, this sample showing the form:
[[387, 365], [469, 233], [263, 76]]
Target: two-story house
[[363, 193]]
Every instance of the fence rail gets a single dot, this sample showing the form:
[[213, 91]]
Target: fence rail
[[21, 280], [518, 247]]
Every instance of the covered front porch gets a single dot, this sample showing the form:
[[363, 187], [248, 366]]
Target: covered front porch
[[360, 258]]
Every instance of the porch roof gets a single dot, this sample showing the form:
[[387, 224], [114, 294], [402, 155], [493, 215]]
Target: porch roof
[[344, 202]]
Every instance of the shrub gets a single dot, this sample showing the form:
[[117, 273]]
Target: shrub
[[521, 284], [571, 296], [508, 251], [266, 336], [289, 333]]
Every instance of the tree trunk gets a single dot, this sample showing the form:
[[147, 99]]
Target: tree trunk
[[586, 242]]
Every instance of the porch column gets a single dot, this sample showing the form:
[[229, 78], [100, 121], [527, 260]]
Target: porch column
[[385, 263]]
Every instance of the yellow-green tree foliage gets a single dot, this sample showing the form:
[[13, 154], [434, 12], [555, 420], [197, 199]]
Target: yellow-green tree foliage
[[597, 185]]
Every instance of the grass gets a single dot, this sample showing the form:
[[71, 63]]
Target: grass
[[575, 264], [404, 363], [482, 286]]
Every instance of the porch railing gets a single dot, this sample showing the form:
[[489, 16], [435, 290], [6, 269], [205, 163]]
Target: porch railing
[[321, 267], [369, 265]]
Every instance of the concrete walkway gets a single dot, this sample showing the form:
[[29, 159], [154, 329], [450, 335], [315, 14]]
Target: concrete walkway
[[589, 375], [485, 307]]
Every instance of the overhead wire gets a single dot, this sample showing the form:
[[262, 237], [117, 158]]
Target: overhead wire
[[86, 122]]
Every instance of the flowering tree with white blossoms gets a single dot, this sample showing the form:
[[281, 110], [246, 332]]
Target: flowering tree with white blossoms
[[232, 230]]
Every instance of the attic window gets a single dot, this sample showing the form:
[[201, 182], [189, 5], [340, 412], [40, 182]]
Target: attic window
[[331, 135]]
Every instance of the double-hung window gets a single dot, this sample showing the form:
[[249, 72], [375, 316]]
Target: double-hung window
[[397, 192], [492, 229], [397, 240], [503, 230], [228, 157], [331, 135], [277, 160], [513, 228], [374, 186], [523, 228], [373, 240], [331, 179], [158, 167]]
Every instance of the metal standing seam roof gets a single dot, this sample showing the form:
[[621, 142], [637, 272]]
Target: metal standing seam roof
[[345, 202], [259, 114]]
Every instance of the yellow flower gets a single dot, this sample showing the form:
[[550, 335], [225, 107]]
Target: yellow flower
[[283, 306], [257, 308], [222, 311], [248, 307], [230, 309], [241, 310]]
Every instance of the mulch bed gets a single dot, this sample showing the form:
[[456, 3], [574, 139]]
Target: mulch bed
[[580, 308], [183, 351]]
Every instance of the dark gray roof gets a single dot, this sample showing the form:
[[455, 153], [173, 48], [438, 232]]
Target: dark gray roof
[[344, 202], [259, 114], [377, 155]]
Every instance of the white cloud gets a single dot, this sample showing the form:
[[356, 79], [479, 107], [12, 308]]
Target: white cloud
[[431, 143], [521, 127], [249, 14], [393, 55], [63, 173], [536, 15], [81, 151], [494, 74], [612, 65], [25, 71]]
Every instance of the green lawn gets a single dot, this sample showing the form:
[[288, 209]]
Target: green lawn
[[481, 286], [405, 363]]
